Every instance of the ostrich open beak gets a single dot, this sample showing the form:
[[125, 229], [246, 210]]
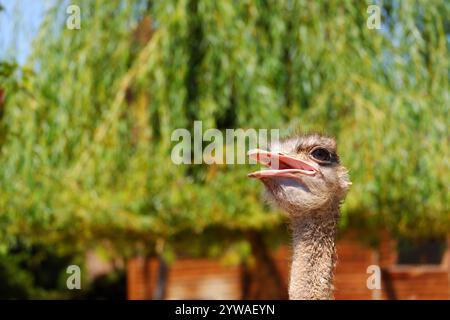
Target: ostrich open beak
[[282, 165]]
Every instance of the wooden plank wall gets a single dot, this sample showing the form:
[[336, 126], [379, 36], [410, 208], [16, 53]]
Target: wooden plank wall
[[209, 279], [212, 280], [351, 271], [416, 283]]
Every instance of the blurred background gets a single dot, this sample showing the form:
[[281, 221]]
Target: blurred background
[[86, 117]]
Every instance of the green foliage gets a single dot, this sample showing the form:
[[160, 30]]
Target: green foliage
[[39, 272], [33, 272], [86, 151]]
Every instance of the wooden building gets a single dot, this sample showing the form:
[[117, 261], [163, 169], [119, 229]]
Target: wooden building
[[402, 277]]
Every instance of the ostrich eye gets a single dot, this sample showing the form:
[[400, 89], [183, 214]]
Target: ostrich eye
[[321, 154]]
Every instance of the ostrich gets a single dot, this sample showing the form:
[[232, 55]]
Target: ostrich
[[307, 181]]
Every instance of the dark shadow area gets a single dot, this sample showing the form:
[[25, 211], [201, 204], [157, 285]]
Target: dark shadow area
[[428, 251]]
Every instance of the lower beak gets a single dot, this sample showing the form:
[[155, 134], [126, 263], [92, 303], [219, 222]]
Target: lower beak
[[281, 165]]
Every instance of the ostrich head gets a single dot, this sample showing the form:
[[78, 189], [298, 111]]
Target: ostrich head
[[304, 175]]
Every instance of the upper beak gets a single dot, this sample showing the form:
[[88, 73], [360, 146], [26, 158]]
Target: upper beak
[[282, 165]]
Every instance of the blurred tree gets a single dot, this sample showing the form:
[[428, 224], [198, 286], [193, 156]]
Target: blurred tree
[[85, 153], [34, 272]]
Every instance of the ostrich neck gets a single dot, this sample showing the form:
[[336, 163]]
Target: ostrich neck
[[314, 255]]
